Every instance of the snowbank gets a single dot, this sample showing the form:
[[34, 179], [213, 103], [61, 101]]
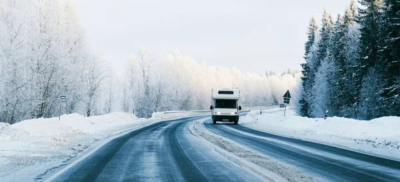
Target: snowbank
[[379, 136], [31, 148], [73, 125], [2, 126]]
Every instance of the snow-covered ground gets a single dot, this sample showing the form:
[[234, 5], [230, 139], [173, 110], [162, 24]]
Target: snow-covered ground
[[32, 148], [378, 137]]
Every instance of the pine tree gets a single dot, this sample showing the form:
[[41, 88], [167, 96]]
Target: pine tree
[[389, 49], [312, 34], [325, 42], [353, 11], [323, 53], [338, 57], [352, 51], [350, 14], [354, 69], [371, 105], [304, 102], [369, 19]]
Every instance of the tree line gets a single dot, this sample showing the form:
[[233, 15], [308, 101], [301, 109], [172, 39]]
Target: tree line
[[352, 64], [181, 83], [43, 55]]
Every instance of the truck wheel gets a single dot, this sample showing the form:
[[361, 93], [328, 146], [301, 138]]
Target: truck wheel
[[236, 122], [214, 121]]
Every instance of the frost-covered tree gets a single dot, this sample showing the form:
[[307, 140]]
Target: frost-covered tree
[[370, 21], [311, 34], [14, 78], [351, 13], [362, 61], [351, 48], [181, 83], [389, 50], [336, 81], [371, 105], [322, 100], [43, 55], [325, 42], [307, 79], [139, 89], [95, 75], [350, 92], [323, 54]]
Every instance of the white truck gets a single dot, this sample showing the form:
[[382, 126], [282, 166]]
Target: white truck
[[225, 105]]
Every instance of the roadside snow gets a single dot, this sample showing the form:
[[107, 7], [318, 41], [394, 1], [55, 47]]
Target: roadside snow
[[32, 149], [3, 125], [379, 136]]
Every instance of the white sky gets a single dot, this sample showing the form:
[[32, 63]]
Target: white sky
[[251, 35]]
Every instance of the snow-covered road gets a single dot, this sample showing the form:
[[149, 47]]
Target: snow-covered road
[[193, 149]]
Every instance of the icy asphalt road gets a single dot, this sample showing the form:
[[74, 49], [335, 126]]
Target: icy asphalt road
[[165, 151], [169, 151]]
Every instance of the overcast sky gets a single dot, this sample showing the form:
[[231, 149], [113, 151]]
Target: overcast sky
[[251, 35]]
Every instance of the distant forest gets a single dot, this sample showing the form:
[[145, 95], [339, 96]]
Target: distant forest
[[352, 65]]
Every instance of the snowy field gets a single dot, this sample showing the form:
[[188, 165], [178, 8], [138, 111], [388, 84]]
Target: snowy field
[[378, 137], [32, 148]]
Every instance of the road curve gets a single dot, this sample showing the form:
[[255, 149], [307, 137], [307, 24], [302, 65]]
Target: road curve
[[323, 161], [165, 151]]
